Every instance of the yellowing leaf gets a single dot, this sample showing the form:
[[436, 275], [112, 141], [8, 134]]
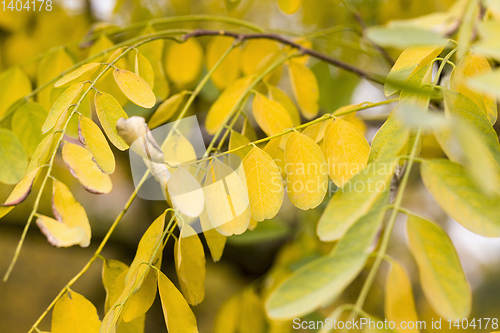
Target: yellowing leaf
[[109, 111], [306, 172], [355, 199], [42, 151], [190, 265], [252, 319], [178, 149], [111, 271], [226, 200], [142, 299], [391, 140], [13, 159], [470, 66], [305, 89], [228, 70], [237, 140], [69, 211], [278, 95], [62, 104], [73, 313], [403, 37], [153, 51], [265, 186], [27, 124], [167, 109], [144, 69], [82, 165], [22, 189], [441, 275], [271, 116], [215, 240], [15, 85], [290, 6], [228, 316], [346, 150], [183, 62], [186, 192], [409, 61], [51, 66], [254, 52], [86, 69], [59, 234], [460, 197], [135, 88], [222, 107], [178, 314], [399, 302], [91, 136]]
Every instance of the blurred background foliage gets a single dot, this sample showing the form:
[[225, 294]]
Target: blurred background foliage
[[289, 240]]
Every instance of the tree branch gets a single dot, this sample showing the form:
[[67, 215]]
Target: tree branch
[[285, 41]]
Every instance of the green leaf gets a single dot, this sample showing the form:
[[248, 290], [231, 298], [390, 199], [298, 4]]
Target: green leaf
[[73, 313], [403, 37], [391, 140], [62, 104], [441, 275], [51, 66], [178, 315], [323, 279], [27, 124], [460, 197], [109, 111], [15, 85], [465, 31], [13, 159], [355, 199], [190, 265], [265, 231]]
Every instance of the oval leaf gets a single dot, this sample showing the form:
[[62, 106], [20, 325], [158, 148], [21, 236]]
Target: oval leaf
[[183, 62], [22, 189], [82, 165], [86, 69], [73, 313], [167, 109], [186, 193], [109, 111], [305, 89], [135, 88], [91, 136], [59, 234], [271, 116], [27, 124], [13, 159], [62, 104], [228, 69]]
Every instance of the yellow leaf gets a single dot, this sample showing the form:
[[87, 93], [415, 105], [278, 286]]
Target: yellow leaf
[[353, 119], [86, 69], [252, 319], [271, 116], [59, 234], [248, 131], [22, 189], [277, 154], [147, 246], [15, 85], [73, 313], [215, 240], [178, 315], [399, 302], [471, 65], [237, 140], [109, 111], [226, 200], [441, 275], [27, 124], [153, 51], [265, 186], [346, 150], [190, 265], [306, 172], [167, 109], [305, 89], [228, 316], [183, 62], [62, 104], [69, 211], [228, 70], [178, 149], [290, 6], [13, 159], [355, 199], [222, 107], [278, 95], [91, 136], [82, 165], [409, 61], [111, 271], [254, 52], [135, 88], [51, 65], [186, 192], [144, 69]]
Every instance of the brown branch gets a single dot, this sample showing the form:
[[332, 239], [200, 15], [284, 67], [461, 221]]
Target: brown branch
[[285, 41]]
